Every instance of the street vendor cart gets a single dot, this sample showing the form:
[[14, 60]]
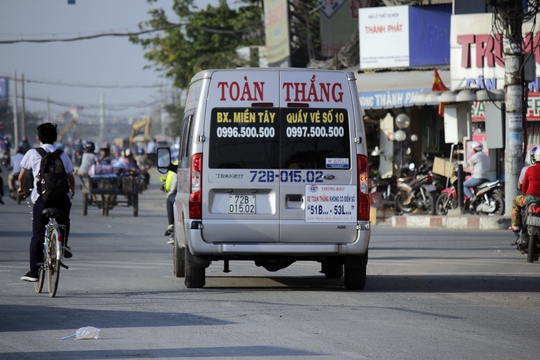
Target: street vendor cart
[[107, 186]]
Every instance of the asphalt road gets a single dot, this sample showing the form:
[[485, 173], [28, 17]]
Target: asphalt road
[[430, 294]]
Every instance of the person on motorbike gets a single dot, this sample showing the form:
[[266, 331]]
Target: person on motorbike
[[479, 164], [88, 159], [25, 144], [531, 191], [15, 169]]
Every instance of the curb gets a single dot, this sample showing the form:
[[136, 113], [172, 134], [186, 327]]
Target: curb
[[452, 222]]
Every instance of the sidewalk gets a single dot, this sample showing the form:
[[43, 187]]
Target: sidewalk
[[459, 221]]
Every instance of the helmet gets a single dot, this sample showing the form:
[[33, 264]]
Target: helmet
[[533, 158], [537, 156], [89, 147], [476, 146], [127, 152]]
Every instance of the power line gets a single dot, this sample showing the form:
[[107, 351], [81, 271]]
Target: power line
[[124, 34], [114, 107], [98, 86]]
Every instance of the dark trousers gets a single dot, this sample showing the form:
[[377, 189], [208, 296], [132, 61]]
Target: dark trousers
[[38, 227], [170, 209]]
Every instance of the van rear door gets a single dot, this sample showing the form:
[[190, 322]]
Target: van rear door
[[318, 182], [241, 186]]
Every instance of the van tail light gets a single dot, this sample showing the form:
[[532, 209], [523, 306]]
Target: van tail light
[[195, 197], [363, 196]]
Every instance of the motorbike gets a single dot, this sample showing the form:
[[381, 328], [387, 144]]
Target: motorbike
[[387, 187], [13, 194], [416, 192], [489, 199], [531, 231]]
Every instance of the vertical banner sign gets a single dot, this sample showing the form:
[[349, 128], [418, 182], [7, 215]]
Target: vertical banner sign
[[388, 25], [276, 19], [3, 88]]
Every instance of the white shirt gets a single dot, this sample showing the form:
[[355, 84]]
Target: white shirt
[[87, 160], [480, 165], [32, 162], [16, 163]]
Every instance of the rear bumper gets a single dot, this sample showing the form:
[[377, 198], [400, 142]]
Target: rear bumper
[[199, 247]]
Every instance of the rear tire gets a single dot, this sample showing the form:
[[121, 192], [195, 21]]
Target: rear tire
[[531, 251], [53, 271], [402, 207], [179, 263], [498, 198], [135, 204], [356, 272], [195, 274], [38, 285], [85, 204]]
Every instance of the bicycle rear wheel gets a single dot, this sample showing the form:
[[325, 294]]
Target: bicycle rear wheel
[[41, 276], [53, 268]]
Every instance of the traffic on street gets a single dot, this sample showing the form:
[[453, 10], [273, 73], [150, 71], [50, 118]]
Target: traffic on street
[[430, 293]]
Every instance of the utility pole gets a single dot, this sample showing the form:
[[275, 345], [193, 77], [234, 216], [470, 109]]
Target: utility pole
[[15, 115], [23, 110], [513, 84], [101, 119]]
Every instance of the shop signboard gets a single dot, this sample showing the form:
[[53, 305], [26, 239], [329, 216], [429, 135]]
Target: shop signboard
[[412, 36]]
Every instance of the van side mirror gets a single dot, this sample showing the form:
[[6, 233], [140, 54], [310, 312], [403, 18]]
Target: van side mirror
[[163, 159]]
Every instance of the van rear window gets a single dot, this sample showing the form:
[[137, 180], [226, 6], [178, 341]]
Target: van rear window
[[274, 138]]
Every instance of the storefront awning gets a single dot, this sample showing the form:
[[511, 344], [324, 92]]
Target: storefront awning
[[386, 90]]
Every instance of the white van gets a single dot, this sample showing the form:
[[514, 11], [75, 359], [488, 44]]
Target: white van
[[272, 168]]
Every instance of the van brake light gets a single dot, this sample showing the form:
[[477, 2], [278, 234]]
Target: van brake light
[[363, 188], [195, 197]]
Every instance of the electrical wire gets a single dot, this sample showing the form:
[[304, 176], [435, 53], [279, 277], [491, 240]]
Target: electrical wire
[[124, 34], [98, 86]]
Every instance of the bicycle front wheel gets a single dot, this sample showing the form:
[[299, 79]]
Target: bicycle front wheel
[[53, 268]]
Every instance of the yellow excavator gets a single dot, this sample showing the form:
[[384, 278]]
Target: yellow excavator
[[146, 122], [73, 123]]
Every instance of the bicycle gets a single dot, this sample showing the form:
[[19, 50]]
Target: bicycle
[[53, 252]]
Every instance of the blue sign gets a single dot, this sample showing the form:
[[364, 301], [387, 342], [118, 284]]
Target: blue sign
[[429, 35], [3, 88]]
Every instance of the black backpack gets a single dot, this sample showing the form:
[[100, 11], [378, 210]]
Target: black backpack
[[52, 181]]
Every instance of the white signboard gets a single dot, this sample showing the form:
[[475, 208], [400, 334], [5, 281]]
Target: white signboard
[[331, 203], [384, 37]]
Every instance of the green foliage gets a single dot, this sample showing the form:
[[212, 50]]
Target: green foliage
[[202, 39]]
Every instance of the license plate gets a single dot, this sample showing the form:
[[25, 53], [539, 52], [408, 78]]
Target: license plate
[[430, 187], [241, 204], [533, 220]]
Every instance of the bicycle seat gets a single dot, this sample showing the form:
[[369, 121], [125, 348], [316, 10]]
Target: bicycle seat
[[52, 212]]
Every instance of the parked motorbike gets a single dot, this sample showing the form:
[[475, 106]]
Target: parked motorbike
[[387, 187], [489, 199], [416, 192], [531, 231]]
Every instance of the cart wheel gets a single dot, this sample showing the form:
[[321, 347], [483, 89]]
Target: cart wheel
[[135, 201], [85, 204], [104, 206]]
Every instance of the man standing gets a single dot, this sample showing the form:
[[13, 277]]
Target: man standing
[[32, 162]]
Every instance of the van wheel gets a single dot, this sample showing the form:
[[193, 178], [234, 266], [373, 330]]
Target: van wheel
[[355, 272], [195, 271], [332, 269], [179, 263]]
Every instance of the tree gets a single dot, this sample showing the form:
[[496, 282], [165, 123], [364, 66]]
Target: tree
[[202, 39]]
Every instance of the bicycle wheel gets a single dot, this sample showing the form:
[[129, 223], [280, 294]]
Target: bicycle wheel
[[53, 269], [38, 285]]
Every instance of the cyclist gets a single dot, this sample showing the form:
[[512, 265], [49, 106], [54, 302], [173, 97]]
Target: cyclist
[[31, 161], [15, 168]]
